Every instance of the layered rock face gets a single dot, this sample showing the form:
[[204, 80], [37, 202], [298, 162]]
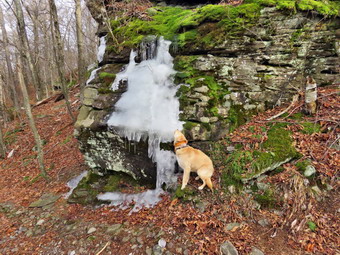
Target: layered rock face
[[225, 74]]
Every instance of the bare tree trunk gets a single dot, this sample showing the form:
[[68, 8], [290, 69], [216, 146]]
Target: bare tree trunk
[[33, 127], [2, 145], [11, 78], [33, 12], [80, 45], [59, 54], [2, 115], [25, 49]]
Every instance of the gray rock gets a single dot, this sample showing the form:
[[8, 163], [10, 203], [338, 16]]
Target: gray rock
[[227, 248], [179, 250], [29, 233], [186, 252], [45, 200], [162, 243], [310, 170], [201, 206], [232, 189], [202, 89], [255, 251], [148, 251], [263, 222], [40, 222], [157, 250], [262, 186], [140, 240], [231, 226], [230, 148], [114, 229], [91, 230], [125, 239]]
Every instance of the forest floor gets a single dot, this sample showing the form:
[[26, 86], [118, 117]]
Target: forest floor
[[183, 227]]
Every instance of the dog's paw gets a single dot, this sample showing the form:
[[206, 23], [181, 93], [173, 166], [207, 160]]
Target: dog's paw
[[183, 187], [197, 178]]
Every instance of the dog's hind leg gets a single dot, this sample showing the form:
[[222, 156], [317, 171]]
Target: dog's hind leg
[[203, 185], [209, 183]]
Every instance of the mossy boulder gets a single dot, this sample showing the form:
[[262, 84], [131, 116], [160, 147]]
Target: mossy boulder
[[93, 184], [244, 165]]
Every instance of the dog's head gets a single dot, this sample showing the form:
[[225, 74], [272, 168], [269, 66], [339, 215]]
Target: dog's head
[[179, 138]]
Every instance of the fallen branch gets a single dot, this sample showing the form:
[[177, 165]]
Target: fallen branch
[[103, 248], [46, 100], [295, 99]]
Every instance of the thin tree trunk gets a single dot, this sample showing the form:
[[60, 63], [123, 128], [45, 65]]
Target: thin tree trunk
[[34, 13], [59, 54], [33, 127], [25, 49], [11, 78], [80, 45], [2, 145]]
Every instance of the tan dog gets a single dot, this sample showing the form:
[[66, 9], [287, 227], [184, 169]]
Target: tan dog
[[192, 160]]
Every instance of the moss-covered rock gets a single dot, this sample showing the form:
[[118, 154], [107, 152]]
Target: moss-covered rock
[[244, 165], [93, 184], [206, 26]]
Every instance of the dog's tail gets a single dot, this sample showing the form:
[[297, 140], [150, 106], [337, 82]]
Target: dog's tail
[[209, 183]]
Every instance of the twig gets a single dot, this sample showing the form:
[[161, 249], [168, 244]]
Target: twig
[[295, 99], [293, 110], [327, 120], [103, 248]]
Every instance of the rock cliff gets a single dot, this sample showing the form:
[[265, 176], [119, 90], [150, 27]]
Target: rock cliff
[[232, 62]]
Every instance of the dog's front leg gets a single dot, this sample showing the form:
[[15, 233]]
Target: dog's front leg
[[186, 176]]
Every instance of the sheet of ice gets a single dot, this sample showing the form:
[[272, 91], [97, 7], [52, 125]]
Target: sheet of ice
[[149, 106], [73, 183], [146, 199], [123, 76], [149, 109], [101, 48], [165, 168], [93, 75]]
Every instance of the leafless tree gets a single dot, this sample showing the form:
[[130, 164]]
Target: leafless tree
[[10, 73], [58, 50], [25, 49], [2, 145], [31, 121], [80, 44]]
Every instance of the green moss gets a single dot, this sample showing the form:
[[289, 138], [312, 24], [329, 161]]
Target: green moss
[[297, 116], [115, 181], [188, 194], [237, 117], [322, 7], [11, 135], [310, 128], [105, 75], [244, 164], [266, 199], [302, 165], [286, 5], [90, 186], [188, 125], [183, 25]]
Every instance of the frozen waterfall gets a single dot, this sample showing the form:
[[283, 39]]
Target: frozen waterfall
[[149, 110]]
